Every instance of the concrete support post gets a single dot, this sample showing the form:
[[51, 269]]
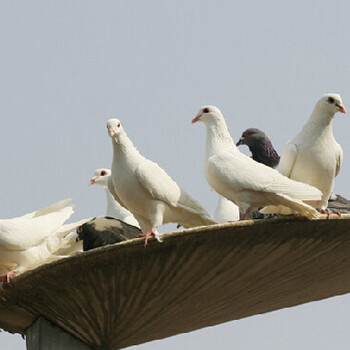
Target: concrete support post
[[43, 335]]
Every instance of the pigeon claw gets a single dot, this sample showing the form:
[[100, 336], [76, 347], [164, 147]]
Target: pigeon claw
[[328, 212], [5, 279], [243, 216], [148, 235]]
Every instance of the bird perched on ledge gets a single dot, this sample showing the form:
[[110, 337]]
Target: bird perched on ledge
[[101, 231], [314, 156], [146, 190], [244, 181], [33, 239], [262, 151]]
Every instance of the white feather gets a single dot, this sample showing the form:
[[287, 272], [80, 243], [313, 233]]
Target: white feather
[[226, 211]]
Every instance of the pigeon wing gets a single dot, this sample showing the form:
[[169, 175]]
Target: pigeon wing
[[50, 209], [24, 233], [162, 187], [339, 161], [287, 160], [251, 175], [113, 192]]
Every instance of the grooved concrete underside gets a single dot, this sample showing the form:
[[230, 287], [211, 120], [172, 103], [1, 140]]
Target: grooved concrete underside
[[126, 294]]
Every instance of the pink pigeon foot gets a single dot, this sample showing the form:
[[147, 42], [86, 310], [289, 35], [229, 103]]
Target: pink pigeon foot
[[242, 217], [148, 235], [6, 278], [328, 212]]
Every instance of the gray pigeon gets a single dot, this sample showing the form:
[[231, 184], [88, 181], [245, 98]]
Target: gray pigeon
[[260, 146], [101, 231]]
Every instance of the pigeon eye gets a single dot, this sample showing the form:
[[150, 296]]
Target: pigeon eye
[[206, 110], [250, 133], [103, 173], [118, 125], [331, 100]]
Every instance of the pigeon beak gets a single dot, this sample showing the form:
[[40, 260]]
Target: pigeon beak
[[93, 180], [195, 120], [341, 109], [240, 141], [111, 132]]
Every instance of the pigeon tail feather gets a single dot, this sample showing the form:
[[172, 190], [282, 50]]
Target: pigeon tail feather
[[288, 205]]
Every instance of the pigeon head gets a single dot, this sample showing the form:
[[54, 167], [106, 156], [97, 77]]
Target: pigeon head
[[260, 146], [332, 103], [215, 124], [115, 129], [100, 177], [208, 114], [250, 137]]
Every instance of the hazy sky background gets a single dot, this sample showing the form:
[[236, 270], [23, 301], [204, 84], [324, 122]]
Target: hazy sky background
[[68, 66]]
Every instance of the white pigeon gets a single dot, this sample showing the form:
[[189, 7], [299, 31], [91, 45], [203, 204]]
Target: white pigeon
[[313, 156], [242, 180], [226, 211], [31, 240], [114, 209], [145, 189]]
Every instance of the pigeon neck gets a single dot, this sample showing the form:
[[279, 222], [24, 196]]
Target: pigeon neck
[[124, 148], [264, 152], [257, 147], [320, 118], [218, 137]]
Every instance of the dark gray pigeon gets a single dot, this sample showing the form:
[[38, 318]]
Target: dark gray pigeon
[[260, 146], [101, 231]]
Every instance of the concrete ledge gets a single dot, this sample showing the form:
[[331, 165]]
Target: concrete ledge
[[126, 294]]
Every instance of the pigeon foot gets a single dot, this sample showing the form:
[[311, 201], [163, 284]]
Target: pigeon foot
[[149, 234], [246, 215], [242, 216], [328, 212], [5, 279]]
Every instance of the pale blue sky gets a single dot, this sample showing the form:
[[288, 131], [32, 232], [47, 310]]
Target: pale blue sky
[[68, 66]]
